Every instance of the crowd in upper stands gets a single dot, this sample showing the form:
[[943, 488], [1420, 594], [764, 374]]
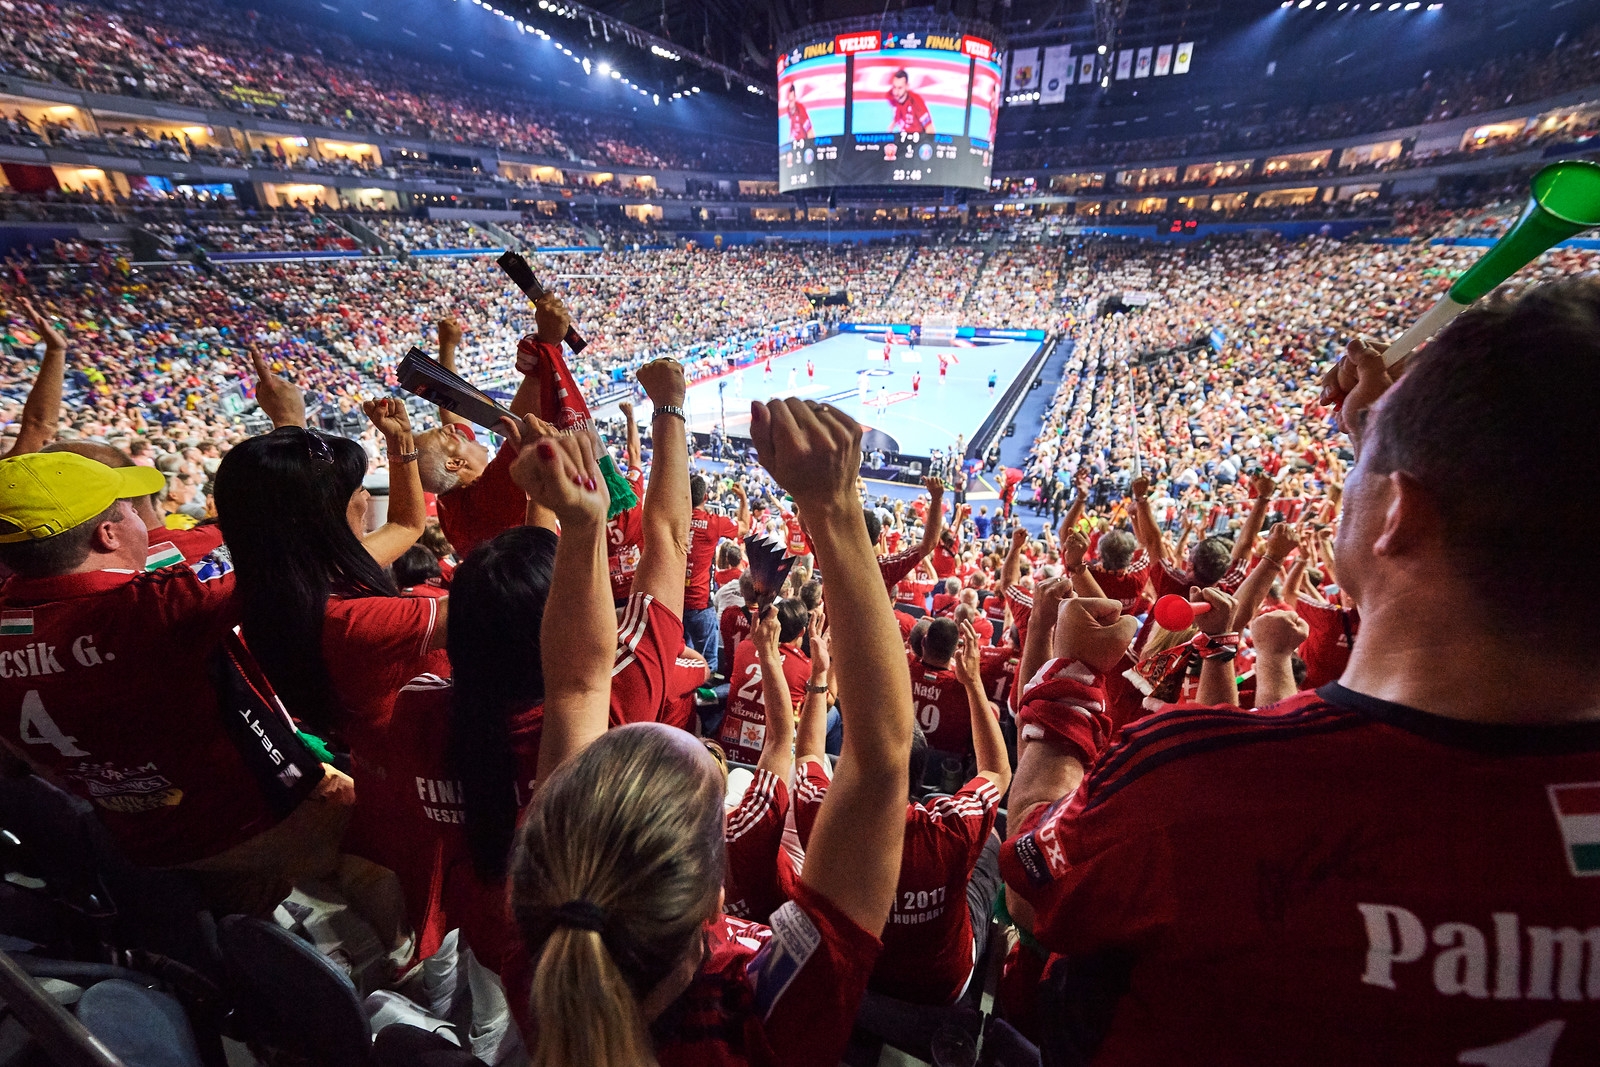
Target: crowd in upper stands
[[1498, 82], [196, 53]]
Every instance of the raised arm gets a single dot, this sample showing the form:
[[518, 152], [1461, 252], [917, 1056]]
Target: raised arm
[[933, 526], [1246, 544], [1080, 503], [449, 339], [853, 857], [577, 643], [635, 450], [743, 517], [1011, 569], [41, 413], [551, 321], [1073, 548], [988, 744], [1276, 634], [1047, 597], [1144, 526], [408, 513], [280, 399], [1218, 684], [777, 748], [1253, 590], [664, 554], [811, 738]]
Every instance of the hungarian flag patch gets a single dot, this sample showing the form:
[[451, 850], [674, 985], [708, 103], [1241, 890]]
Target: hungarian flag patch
[[163, 555], [1577, 807], [13, 623]]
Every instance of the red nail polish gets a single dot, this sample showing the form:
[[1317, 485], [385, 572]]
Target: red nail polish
[[546, 450], [591, 485]]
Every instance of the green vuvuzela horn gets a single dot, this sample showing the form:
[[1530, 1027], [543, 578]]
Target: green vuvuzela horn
[[1565, 200]]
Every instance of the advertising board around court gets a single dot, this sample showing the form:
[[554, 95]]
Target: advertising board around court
[[879, 108]]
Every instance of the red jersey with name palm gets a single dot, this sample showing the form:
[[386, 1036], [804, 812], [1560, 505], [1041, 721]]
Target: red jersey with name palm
[[1333, 880], [705, 531], [928, 943], [744, 727], [104, 679], [488, 506]]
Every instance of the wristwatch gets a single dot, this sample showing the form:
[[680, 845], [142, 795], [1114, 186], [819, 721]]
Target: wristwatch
[[816, 688], [670, 409]]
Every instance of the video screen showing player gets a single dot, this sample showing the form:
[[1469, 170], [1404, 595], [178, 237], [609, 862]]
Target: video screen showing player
[[984, 114], [910, 91], [811, 99]]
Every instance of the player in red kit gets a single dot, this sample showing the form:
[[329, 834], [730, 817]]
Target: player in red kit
[[910, 113], [811, 370], [916, 383], [799, 118], [1327, 880]]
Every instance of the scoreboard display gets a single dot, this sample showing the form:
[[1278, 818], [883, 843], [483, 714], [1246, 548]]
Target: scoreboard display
[[877, 108]]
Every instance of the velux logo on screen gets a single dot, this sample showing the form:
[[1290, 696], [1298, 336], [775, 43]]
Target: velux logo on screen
[[847, 43]]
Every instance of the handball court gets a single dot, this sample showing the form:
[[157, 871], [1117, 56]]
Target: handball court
[[918, 419]]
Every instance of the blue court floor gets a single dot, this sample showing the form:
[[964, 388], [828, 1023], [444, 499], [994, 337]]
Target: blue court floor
[[851, 374]]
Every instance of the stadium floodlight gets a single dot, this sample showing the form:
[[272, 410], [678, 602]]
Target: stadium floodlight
[[1344, 5], [1435, 7], [1304, 4], [1375, 7], [1287, 3], [616, 74], [1394, 7], [604, 67], [1321, 4], [586, 68], [657, 98], [1413, 5], [1105, 83], [1101, 50]]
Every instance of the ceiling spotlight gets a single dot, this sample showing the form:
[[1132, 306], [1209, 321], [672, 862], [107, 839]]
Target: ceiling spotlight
[[1105, 83], [1304, 4], [1394, 7], [604, 67], [1344, 5], [616, 74], [1413, 5], [1321, 4], [586, 67], [1101, 49], [1287, 3]]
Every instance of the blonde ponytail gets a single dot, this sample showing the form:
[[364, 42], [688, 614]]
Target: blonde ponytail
[[583, 1008], [618, 865]]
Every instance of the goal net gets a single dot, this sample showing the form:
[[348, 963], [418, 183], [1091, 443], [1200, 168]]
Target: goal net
[[938, 329]]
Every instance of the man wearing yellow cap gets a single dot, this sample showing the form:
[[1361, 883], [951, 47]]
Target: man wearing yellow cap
[[108, 673]]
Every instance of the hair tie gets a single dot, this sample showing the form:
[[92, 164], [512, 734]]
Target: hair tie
[[581, 915]]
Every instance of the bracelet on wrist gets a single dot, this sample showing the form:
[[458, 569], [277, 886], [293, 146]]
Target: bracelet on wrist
[[669, 409], [1221, 647], [404, 457]]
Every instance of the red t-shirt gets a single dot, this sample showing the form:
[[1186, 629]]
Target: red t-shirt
[[913, 592], [490, 505], [942, 708], [705, 532], [798, 543], [734, 626], [944, 603], [104, 677], [1130, 585], [944, 561], [927, 944], [906, 623], [372, 647], [624, 538], [754, 834], [1326, 649], [409, 814], [744, 727], [1333, 880], [1171, 581]]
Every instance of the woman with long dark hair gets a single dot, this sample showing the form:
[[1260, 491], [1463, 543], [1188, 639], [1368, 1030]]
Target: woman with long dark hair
[[320, 610], [618, 872]]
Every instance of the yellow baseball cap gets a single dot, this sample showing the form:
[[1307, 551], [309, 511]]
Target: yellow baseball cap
[[46, 493]]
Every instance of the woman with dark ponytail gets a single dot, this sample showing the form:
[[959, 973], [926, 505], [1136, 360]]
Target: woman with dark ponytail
[[618, 870]]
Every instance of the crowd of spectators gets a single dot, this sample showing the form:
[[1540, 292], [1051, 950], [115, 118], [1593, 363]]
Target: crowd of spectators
[[1523, 77], [718, 775], [197, 53]]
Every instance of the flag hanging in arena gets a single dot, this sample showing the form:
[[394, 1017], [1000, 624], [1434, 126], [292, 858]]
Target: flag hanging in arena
[[1085, 69], [1163, 60], [1180, 63], [1058, 68], [1142, 68], [1024, 70], [1124, 64]]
